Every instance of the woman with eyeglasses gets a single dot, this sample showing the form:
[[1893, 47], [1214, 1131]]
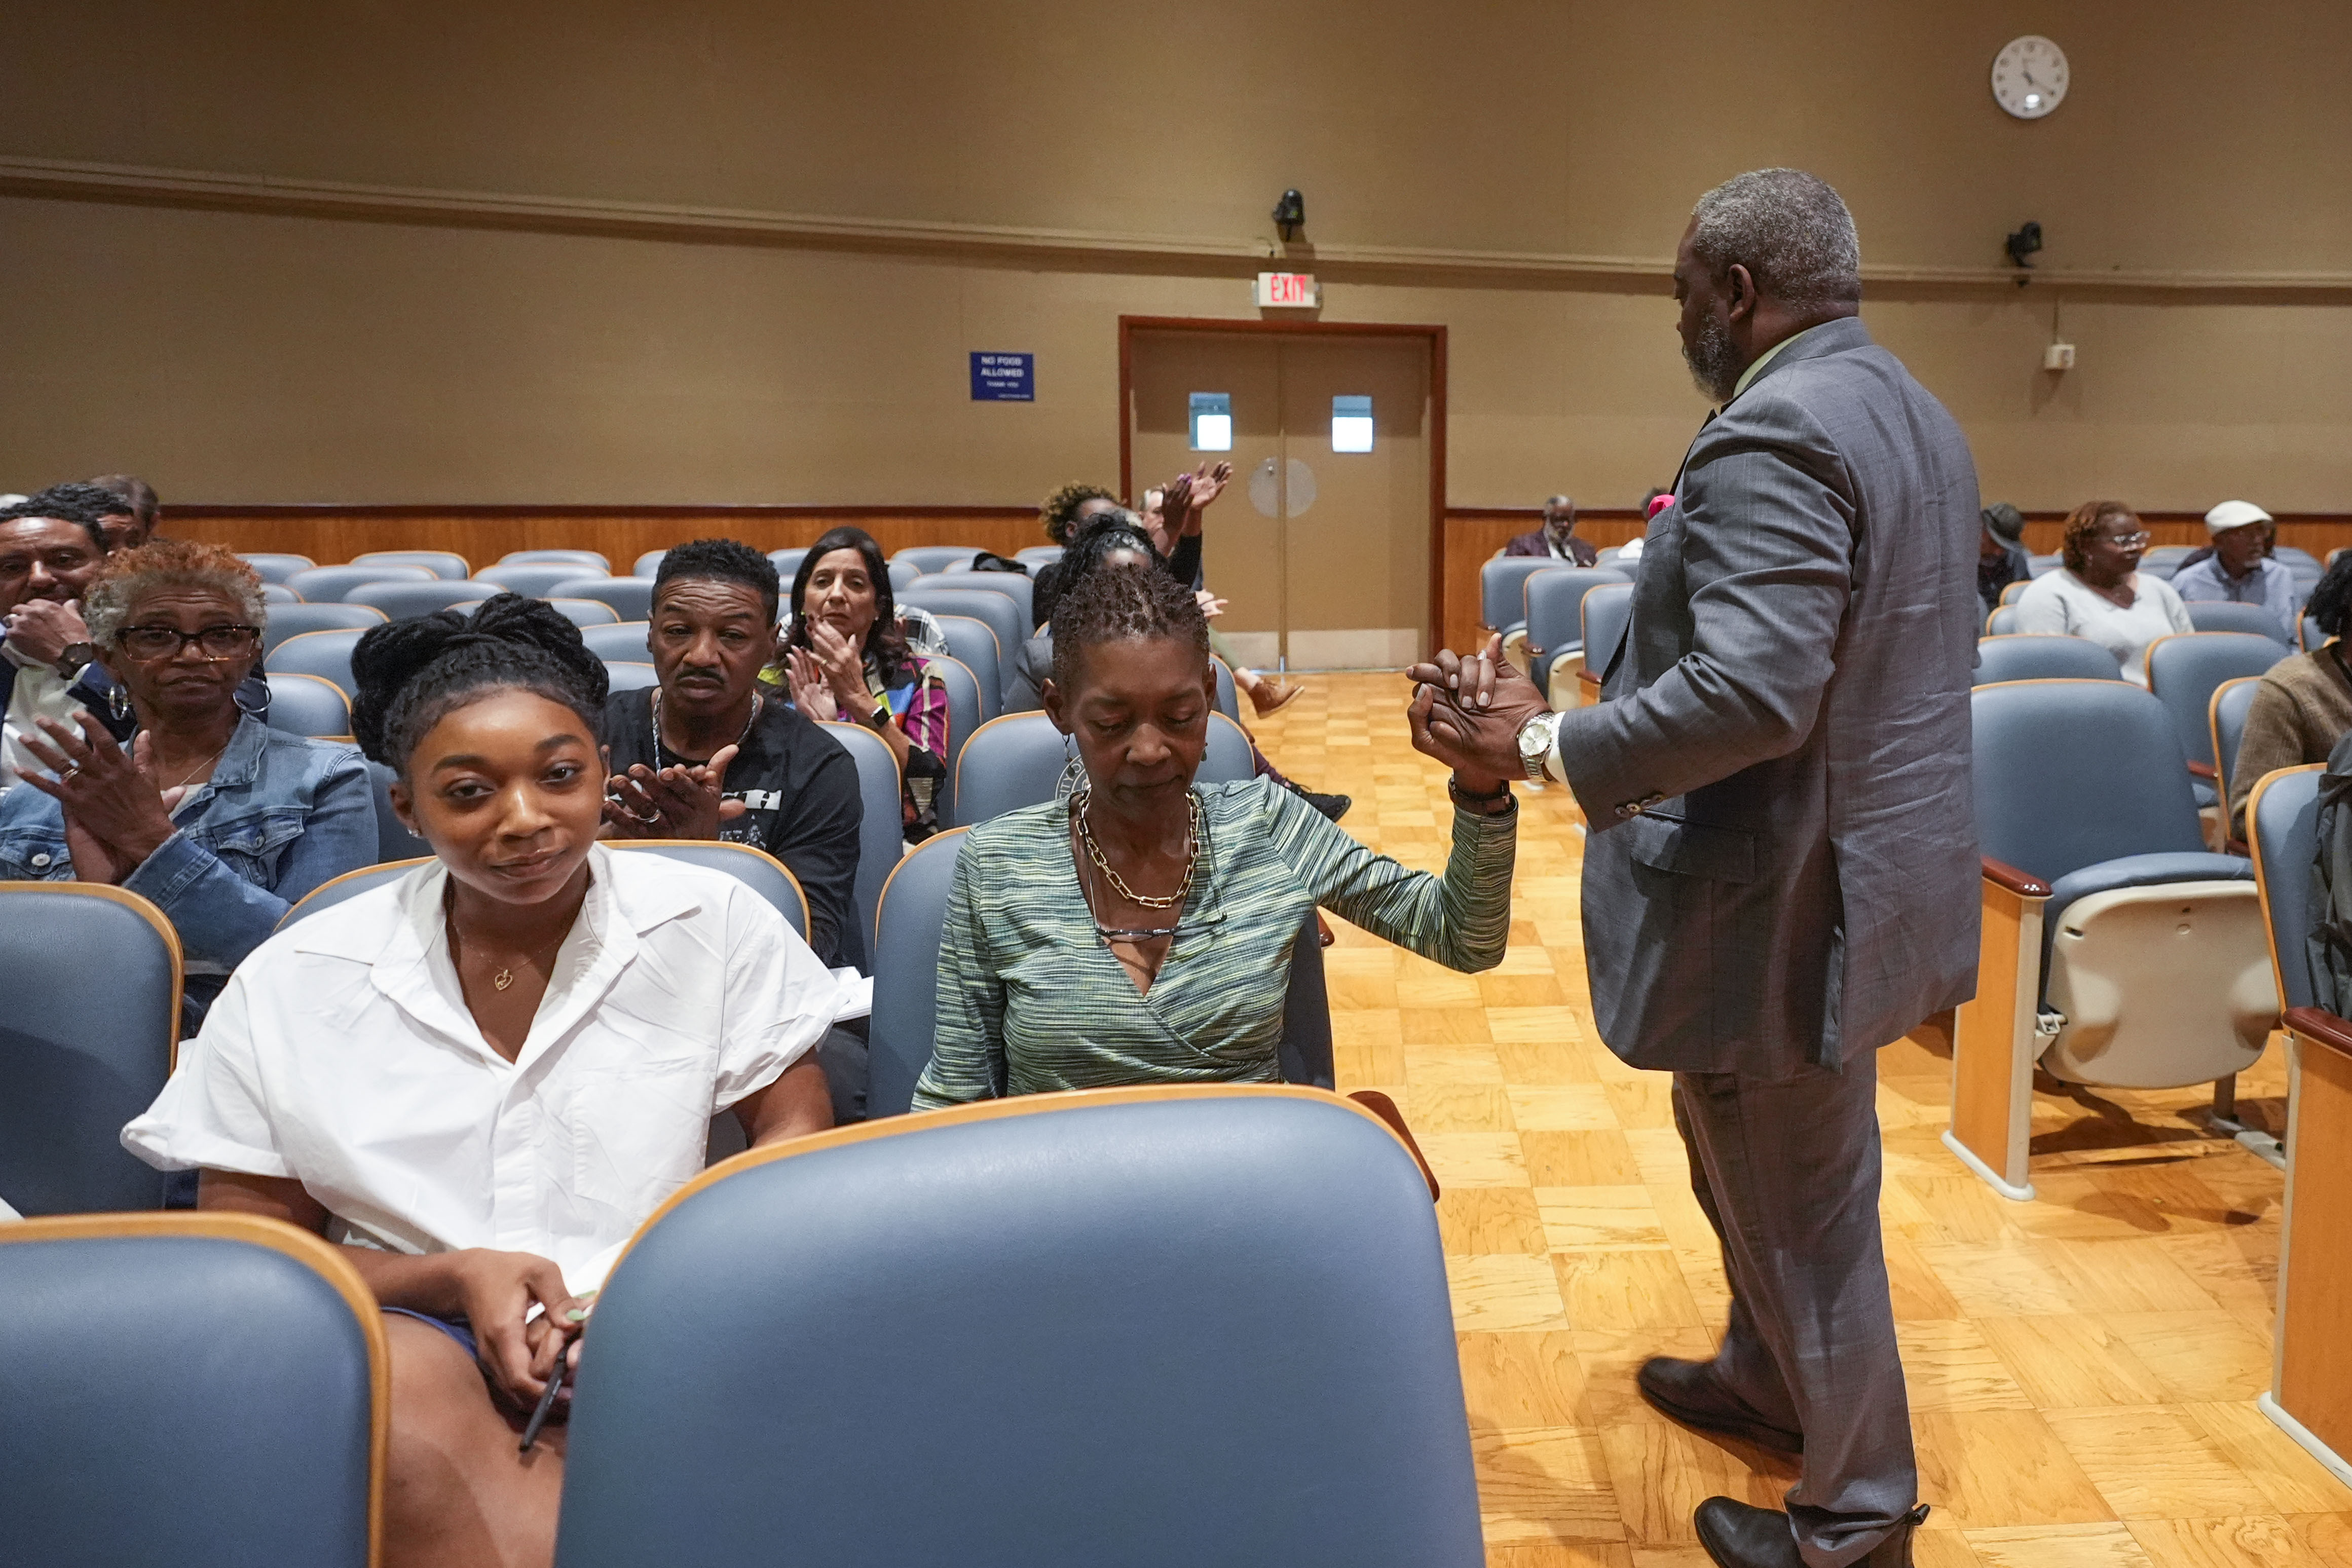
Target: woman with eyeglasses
[[2100, 592], [219, 820]]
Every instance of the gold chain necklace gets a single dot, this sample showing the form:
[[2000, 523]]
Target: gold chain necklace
[[1085, 797], [504, 977], [200, 767]]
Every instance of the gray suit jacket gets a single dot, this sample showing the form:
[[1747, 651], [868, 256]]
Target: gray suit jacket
[[1783, 863]]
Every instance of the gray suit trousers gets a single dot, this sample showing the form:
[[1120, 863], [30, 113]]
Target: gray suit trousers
[[1787, 1172]]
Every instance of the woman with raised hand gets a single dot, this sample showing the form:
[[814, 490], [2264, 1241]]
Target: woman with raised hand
[[1138, 930], [223, 822], [847, 661], [485, 1076]]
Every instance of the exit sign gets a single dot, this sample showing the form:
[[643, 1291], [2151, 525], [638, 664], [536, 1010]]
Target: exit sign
[[1295, 289]]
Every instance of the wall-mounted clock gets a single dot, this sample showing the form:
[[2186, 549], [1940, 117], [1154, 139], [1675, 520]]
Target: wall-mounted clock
[[2029, 76]]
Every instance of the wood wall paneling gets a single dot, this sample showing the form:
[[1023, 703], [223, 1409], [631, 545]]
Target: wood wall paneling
[[2314, 1376]]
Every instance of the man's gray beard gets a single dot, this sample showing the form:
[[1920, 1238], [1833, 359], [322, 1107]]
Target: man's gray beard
[[1713, 362]]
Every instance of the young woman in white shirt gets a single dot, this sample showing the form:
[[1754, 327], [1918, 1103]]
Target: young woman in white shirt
[[2099, 591], [484, 1076]]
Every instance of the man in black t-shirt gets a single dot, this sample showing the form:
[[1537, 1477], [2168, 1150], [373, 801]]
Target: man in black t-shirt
[[788, 787]]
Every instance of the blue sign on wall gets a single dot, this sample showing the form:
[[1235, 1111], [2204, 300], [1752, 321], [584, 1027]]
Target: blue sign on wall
[[1004, 378]]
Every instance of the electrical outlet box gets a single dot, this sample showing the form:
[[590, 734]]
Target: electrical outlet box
[[2058, 356]]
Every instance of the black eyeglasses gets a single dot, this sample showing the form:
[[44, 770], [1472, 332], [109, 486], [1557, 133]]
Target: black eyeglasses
[[148, 643]]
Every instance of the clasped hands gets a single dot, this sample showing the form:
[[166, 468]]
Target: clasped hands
[[1468, 712]]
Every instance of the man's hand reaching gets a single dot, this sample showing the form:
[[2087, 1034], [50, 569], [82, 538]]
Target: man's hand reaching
[[1477, 707]]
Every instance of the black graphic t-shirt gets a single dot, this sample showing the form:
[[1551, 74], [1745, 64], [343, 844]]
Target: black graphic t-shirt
[[800, 791]]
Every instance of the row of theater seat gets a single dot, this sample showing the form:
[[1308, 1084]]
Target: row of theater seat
[[2205, 678], [391, 584], [74, 1068], [2119, 949], [1176, 1368], [2205, 614], [2126, 943]]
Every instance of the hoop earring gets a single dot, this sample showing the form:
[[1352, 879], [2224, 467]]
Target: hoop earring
[[118, 702], [237, 699]]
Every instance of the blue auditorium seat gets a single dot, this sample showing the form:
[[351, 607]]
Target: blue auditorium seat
[[88, 1032], [207, 1391], [1160, 1328]]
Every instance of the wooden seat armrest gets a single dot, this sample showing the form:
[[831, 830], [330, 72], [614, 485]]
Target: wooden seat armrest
[[2202, 771], [1589, 677], [2322, 1027], [2024, 884], [1381, 1106]]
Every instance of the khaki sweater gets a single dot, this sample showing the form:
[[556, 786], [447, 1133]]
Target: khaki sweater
[[2302, 708]]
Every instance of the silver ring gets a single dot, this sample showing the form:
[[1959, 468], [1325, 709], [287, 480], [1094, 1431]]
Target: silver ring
[[71, 769], [646, 815]]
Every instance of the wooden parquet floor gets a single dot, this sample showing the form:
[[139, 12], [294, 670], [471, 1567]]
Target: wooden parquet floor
[[2082, 1368]]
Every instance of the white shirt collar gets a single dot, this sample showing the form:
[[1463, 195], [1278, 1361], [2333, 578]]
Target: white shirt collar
[[410, 964]]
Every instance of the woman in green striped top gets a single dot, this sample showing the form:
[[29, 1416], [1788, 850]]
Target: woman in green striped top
[[1140, 930]]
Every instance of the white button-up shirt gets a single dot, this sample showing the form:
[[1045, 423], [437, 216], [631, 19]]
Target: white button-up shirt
[[341, 1054]]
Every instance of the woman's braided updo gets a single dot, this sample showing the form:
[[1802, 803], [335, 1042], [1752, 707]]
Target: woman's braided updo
[[1117, 604], [413, 673]]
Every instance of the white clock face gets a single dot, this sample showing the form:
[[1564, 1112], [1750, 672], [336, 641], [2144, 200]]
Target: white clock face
[[2029, 76]]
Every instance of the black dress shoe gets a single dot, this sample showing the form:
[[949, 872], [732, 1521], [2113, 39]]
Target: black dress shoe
[[1738, 1535], [1685, 1391]]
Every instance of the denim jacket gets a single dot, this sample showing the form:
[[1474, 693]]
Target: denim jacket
[[281, 815]]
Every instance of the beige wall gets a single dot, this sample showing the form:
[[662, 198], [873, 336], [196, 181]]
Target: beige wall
[[250, 355]]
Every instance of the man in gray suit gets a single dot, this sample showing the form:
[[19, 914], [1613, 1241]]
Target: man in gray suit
[[1782, 875]]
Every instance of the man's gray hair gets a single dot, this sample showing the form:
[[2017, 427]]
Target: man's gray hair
[[1789, 229]]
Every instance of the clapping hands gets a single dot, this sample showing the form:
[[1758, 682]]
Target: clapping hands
[[678, 801]]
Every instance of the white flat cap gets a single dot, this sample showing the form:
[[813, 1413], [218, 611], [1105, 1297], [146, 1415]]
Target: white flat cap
[[2232, 514]]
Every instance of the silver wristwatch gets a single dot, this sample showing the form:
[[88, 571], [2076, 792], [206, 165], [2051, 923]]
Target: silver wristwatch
[[1535, 743]]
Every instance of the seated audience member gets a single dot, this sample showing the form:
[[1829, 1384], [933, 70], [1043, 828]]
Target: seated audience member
[[1556, 538], [52, 631], [847, 661], [47, 668], [485, 1076], [2100, 593], [2239, 570], [1179, 547], [134, 524], [1065, 514], [1140, 930], [2000, 556], [781, 784], [1111, 540], [223, 822], [925, 636], [1072, 509], [2303, 705]]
